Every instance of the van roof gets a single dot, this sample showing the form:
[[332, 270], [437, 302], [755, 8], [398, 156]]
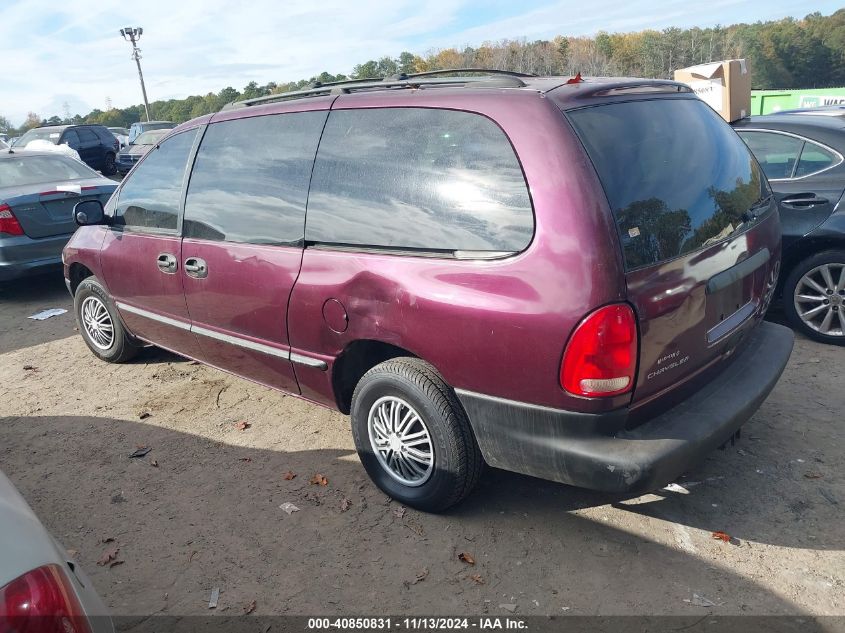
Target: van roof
[[568, 89]]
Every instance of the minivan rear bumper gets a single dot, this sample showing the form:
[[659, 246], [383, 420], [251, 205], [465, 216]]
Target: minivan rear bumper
[[579, 449]]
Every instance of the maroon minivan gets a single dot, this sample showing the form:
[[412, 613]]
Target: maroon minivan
[[559, 277]]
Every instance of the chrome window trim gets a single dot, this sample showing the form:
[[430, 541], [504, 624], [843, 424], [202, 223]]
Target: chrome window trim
[[801, 138], [287, 354]]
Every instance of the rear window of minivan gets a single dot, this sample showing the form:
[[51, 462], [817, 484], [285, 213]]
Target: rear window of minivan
[[677, 177], [418, 179]]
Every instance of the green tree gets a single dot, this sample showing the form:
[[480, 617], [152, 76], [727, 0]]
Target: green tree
[[407, 63]]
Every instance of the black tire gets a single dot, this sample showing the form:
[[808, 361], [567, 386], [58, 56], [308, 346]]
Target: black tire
[[122, 347], [457, 461], [836, 305], [109, 166]]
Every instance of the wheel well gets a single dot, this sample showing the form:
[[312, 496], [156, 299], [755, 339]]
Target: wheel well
[[78, 272], [806, 247], [355, 361]]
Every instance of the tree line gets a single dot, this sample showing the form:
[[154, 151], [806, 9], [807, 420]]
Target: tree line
[[789, 53]]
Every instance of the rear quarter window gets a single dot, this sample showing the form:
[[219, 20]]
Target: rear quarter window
[[418, 179], [676, 176]]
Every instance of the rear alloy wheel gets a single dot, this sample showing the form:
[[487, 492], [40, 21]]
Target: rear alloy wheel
[[413, 436], [109, 166], [814, 297], [100, 325]]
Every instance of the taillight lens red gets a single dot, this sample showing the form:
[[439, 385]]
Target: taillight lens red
[[8, 222], [601, 356], [41, 601]]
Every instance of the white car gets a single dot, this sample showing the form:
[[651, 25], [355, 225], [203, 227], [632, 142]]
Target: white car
[[39, 583], [121, 134]]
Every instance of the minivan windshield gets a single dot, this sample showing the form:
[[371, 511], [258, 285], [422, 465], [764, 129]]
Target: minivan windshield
[[677, 177]]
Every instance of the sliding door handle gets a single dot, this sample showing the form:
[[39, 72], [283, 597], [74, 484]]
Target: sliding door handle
[[196, 267]]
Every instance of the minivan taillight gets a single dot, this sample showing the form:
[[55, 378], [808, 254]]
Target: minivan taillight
[[42, 601], [8, 222], [601, 355]]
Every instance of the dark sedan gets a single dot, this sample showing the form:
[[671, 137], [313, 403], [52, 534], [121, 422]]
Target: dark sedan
[[802, 156], [136, 149], [38, 191]]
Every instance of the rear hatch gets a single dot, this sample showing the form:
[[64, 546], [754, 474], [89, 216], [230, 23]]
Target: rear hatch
[[697, 227], [41, 191]]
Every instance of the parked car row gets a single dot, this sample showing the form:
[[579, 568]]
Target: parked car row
[[97, 146]]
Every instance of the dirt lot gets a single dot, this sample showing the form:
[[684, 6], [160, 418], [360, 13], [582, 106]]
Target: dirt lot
[[201, 510]]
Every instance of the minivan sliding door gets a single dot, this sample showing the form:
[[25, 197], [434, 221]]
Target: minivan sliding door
[[243, 238]]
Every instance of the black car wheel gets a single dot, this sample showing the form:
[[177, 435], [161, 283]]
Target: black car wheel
[[109, 167], [413, 436], [100, 324], [814, 297]]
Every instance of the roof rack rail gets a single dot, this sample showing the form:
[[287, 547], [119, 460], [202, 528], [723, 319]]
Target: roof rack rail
[[317, 89], [449, 71]]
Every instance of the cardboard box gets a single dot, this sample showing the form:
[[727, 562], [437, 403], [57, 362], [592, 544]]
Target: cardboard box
[[725, 86]]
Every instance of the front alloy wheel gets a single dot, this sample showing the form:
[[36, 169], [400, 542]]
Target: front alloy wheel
[[97, 322]]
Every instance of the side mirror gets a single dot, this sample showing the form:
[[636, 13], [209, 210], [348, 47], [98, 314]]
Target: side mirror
[[89, 213]]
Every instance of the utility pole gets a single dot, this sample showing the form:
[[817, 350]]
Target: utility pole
[[133, 34]]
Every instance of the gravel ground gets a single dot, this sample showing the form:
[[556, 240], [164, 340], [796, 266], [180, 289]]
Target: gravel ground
[[201, 510]]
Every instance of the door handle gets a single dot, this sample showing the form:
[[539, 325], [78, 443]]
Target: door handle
[[167, 263], [196, 267], [804, 200]]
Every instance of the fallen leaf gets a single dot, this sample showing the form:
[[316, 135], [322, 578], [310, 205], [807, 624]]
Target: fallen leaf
[[467, 558], [242, 425], [813, 475], [115, 563], [421, 576], [108, 555], [140, 451], [319, 480], [154, 463], [289, 475], [30, 368], [289, 507], [143, 415], [399, 512], [249, 608], [477, 579], [722, 536], [345, 504]]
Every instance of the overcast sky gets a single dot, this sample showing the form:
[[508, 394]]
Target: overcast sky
[[70, 51]]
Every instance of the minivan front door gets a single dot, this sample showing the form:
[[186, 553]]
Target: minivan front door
[[243, 239], [142, 252]]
